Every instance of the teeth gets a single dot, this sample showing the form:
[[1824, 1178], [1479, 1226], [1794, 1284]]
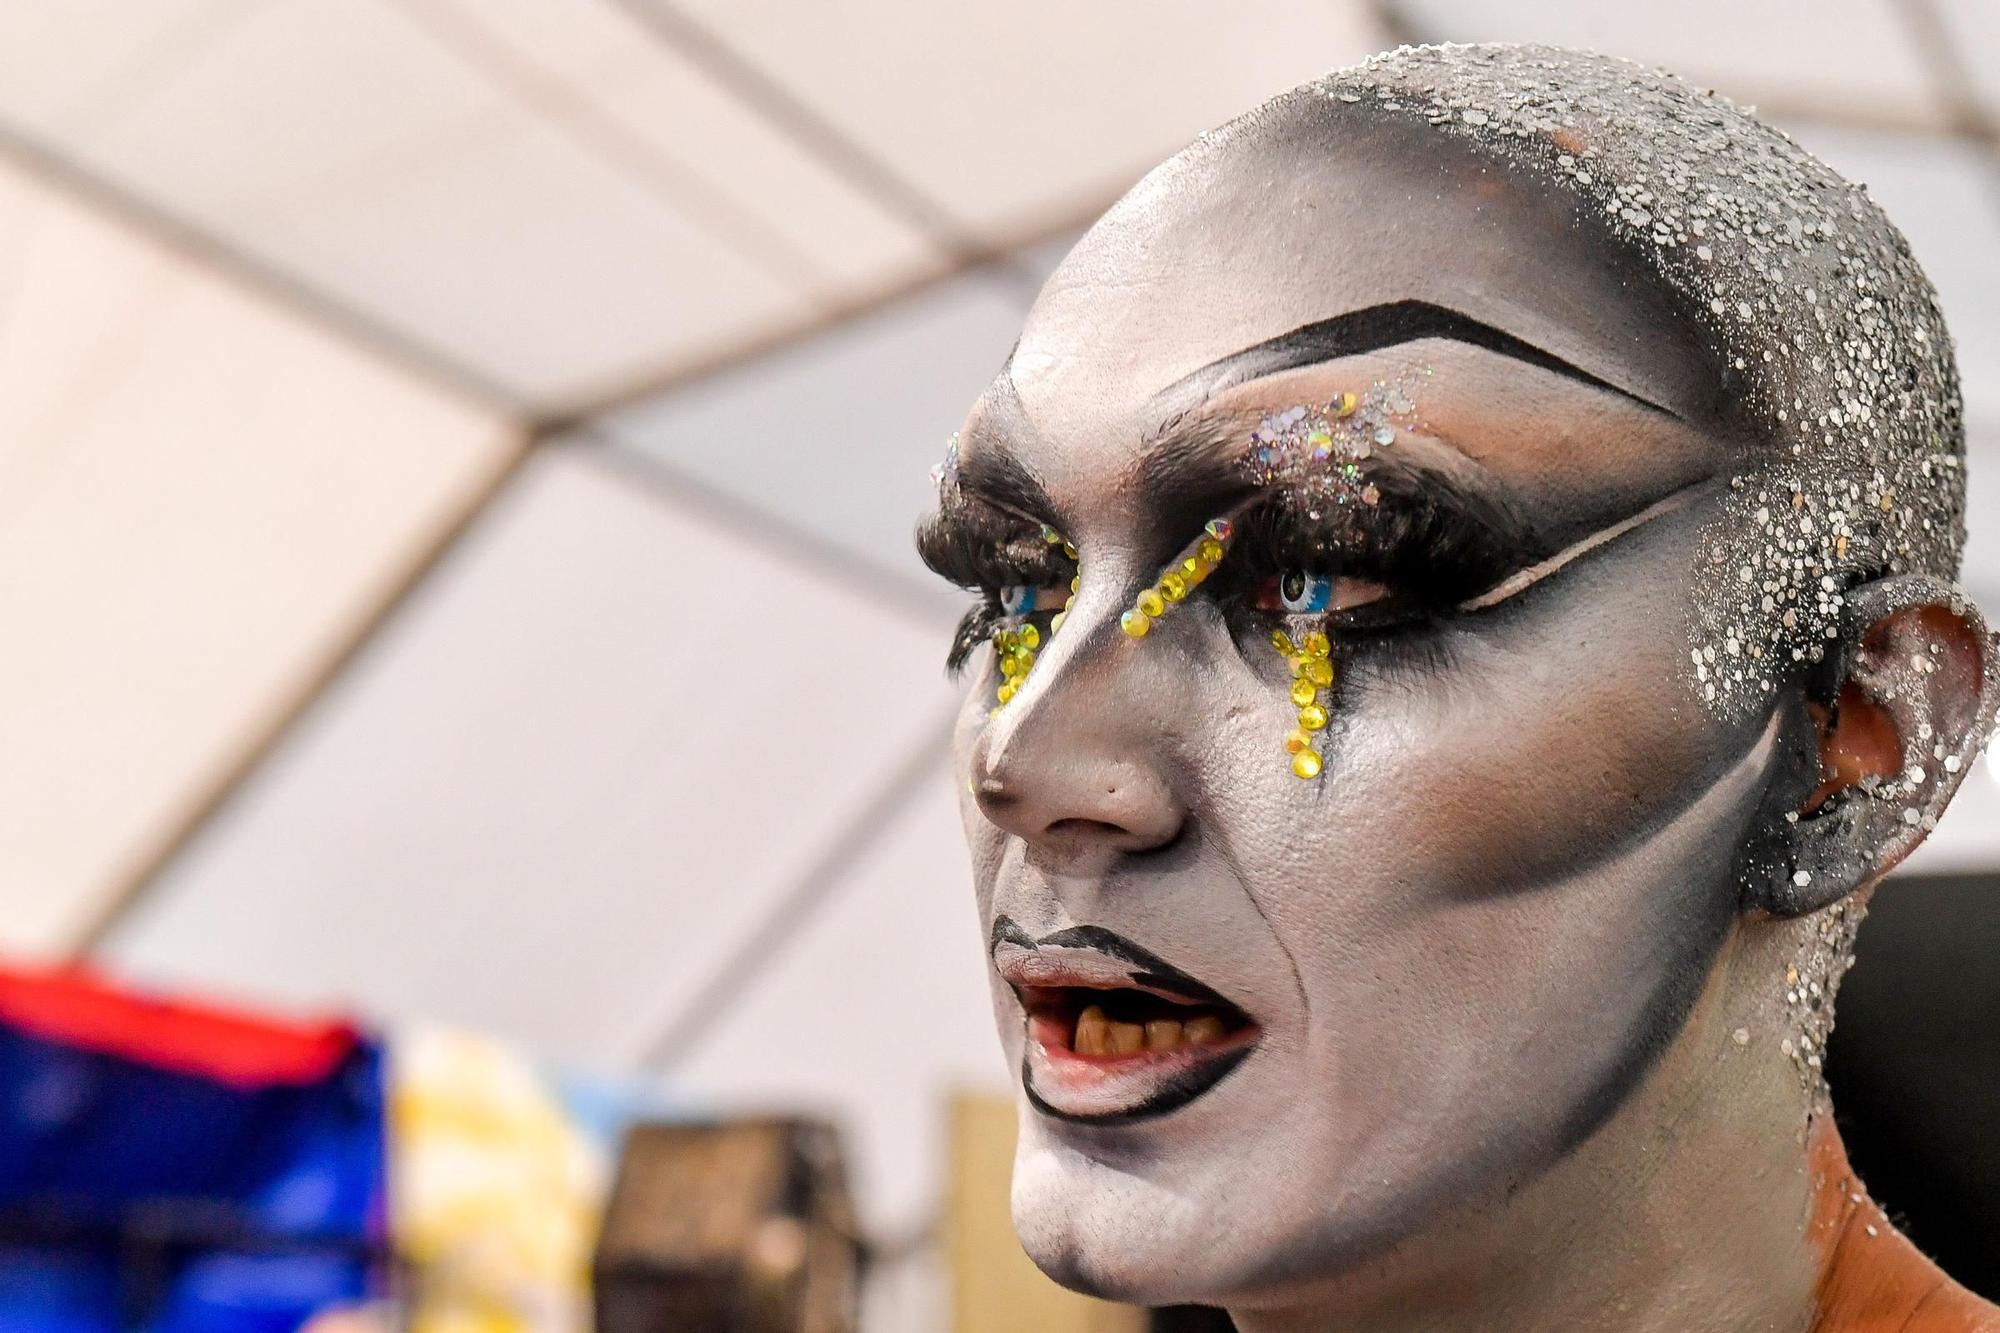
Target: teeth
[[1206, 1030], [1097, 1034], [1092, 1032]]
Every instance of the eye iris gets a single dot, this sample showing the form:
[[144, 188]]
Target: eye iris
[[1303, 592], [1017, 600]]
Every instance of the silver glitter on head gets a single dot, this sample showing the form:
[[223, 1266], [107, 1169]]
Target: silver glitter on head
[[1824, 329], [1829, 349]]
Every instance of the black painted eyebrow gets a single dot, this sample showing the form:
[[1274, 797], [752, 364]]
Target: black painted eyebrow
[[1371, 329]]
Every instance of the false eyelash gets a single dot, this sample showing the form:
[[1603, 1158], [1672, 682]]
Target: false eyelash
[[975, 627], [1434, 551], [980, 548]]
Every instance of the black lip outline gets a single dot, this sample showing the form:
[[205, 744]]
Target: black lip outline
[[1178, 1092], [1151, 970]]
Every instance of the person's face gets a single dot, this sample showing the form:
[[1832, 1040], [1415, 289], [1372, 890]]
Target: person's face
[[1423, 974]]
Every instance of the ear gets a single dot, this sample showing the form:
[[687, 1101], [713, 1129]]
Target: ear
[[1911, 698]]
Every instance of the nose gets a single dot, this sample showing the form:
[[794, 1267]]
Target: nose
[[1077, 764]]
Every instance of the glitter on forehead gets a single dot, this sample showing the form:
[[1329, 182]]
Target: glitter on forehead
[[1816, 310]]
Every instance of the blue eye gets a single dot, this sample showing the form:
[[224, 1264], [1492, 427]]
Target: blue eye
[[1019, 600], [1304, 594]]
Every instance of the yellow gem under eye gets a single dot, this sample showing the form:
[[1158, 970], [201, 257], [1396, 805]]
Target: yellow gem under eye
[[1306, 764], [1194, 569], [1056, 622], [1135, 623], [1304, 692], [1211, 550], [1296, 740], [1317, 644], [1031, 636], [1069, 549], [1173, 587], [1312, 717], [1152, 603], [1283, 644], [1317, 670], [1007, 692], [1075, 584]]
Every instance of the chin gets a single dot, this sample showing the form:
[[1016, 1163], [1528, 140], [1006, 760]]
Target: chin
[[1158, 1216], [1244, 1201], [1121, 1237]]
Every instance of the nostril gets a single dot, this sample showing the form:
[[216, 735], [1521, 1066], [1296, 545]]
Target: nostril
[[1085, 828]]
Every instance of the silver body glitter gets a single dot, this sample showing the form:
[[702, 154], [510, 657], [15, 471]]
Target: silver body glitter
[[1830, 334]]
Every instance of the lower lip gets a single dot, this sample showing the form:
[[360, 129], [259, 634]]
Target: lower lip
[[1122, 1089]]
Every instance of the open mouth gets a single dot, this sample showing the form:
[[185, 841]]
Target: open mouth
[[1115, 1033], [1123, 1023]]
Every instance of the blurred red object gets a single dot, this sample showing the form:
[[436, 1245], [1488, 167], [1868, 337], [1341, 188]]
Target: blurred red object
[[74, 1006]]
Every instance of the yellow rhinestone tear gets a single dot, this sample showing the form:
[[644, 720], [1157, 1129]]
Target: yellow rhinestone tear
[[1182, 576], [1312, 671], [1014, 649], [1015, 645]]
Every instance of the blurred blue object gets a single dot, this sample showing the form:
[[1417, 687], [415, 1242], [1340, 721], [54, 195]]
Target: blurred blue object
[[172, 1169]]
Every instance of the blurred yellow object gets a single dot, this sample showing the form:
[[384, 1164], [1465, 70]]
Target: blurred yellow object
[[496, 1195], [996, 1288]]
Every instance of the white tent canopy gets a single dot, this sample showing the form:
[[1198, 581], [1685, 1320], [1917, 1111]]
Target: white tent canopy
[[663, 307]]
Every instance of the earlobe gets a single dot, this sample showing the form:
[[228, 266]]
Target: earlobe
[[1917, 681]]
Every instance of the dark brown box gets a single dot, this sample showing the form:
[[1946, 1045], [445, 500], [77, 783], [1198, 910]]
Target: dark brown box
[[743, 1227]]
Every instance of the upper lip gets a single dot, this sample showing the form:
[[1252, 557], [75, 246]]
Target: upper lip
[[1092, 957]]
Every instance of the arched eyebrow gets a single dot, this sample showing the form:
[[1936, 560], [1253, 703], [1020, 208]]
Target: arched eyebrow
[[1370, 329]]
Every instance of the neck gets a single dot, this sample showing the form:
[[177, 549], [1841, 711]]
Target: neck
[[1692, 1209]]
